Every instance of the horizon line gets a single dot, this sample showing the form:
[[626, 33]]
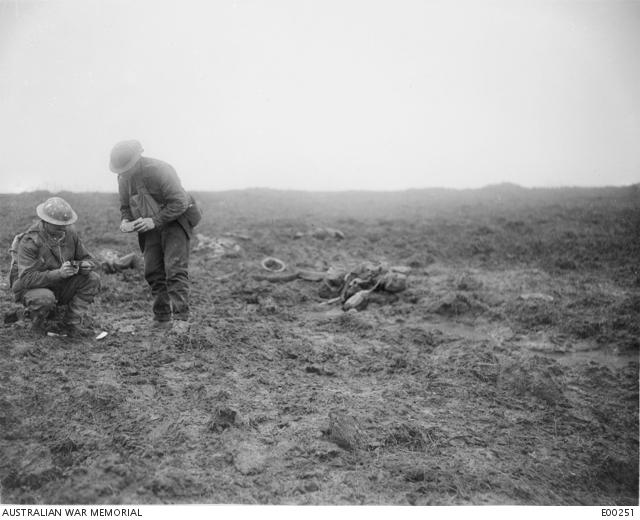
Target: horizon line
[[501, 185]]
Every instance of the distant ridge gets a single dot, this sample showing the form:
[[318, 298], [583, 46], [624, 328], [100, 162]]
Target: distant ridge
[[503, 188]]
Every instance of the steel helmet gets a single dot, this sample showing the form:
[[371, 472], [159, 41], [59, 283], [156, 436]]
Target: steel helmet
[[124, 155], [56, 211]]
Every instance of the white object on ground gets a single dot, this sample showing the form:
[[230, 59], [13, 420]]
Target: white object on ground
[[103, 334], [273, 264], [536, 296]]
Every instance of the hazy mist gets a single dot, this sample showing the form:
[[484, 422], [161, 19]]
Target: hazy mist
[[321, 95]]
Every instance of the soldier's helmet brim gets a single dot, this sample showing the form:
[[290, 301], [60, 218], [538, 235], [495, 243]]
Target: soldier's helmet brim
[[125, 155], [40, 211], [126, 167]]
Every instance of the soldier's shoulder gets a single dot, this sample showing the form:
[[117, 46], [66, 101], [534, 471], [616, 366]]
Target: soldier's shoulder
[[31, 238], [151, 166]]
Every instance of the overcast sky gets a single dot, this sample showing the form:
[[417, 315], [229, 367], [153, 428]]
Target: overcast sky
[[321, 94]]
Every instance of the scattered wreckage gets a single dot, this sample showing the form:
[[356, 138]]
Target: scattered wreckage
[[321, 233], [352, 288], [111, 262], [219, 247]]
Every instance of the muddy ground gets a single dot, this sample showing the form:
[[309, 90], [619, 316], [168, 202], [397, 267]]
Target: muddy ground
[[506, 373]]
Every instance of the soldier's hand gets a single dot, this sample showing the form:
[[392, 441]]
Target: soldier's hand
[[86, 267], [142, 225], [67, 270]]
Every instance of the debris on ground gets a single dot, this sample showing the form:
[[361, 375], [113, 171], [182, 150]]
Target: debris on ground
[[112, 262], [321, 233], [223, 418], [355, 287], [241, 235], [273, 264], [345, 431], [16, 313], [276, 277], [219, 247], [310, 276], [536, 296], [358, 301]]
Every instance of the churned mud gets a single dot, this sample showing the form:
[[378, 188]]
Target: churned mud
[[505, 373]]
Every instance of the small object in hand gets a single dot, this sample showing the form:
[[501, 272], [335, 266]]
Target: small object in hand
[[85, 266], [72, 263], [126, 226]]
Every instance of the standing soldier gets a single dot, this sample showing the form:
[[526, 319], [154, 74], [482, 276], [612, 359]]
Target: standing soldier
[[51, 265], [153, 203]]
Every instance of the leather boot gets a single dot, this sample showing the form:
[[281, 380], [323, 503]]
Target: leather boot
[[76, 309], [38, 320], [157, 325]]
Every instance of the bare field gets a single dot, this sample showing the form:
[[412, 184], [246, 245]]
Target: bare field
[[506, 372]]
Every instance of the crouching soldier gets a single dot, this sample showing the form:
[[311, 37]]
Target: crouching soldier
[[51, 266]]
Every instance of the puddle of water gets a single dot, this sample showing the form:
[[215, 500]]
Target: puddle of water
[[568, 353], [611, 360], [578, 352]]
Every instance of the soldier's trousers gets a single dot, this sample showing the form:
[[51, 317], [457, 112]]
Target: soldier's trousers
[[166, 269], [77, 292]]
